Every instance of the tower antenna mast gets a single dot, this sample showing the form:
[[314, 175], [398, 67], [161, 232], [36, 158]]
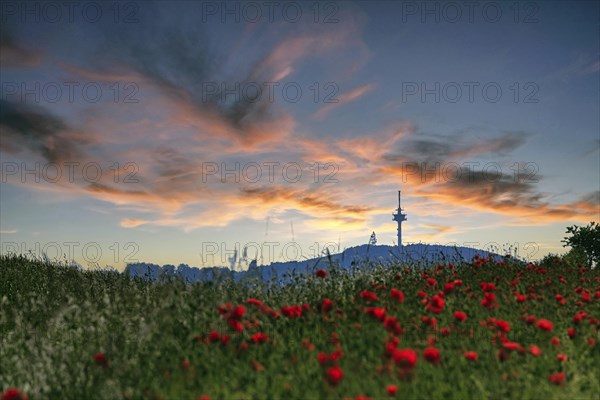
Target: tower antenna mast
[[292, 228]]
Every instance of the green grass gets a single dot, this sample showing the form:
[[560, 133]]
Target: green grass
[[54, 319]]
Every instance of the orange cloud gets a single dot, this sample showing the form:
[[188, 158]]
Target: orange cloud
[[132, 223]]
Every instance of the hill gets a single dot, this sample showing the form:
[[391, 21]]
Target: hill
[[354, 257]]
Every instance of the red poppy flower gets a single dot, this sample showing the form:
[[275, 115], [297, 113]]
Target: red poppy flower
[[322, 358], [390, 348], [405, 358], [321, 273], [260, 337], [562, 357], [236, 325], [448, 287], [436, 304], [369, 296], [460, 316], [432, 355], [591, 341], [255, 302], [579, 316], [530, 319], [335, 375], [545, 325], [536, 351], [101, 360], [292, 311], [339, 353], [558, 378], [513, 346], [471, 355], [571, 332], [224, 339], [185, 364], [392, 390], [489, 300], [392, 325], [224, 309], [487, 287], [238, 312], [398, 295], [214, 336], [585, 296], [377, 312], [14, 394], [502, 325], [326, 305], [520, 297]]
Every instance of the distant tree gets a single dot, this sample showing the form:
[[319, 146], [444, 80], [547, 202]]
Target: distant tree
[[586, 240], [373, 239], [575, 256], [550, 260]]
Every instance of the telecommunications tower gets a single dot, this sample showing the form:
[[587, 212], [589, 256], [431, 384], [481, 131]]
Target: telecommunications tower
[[400, 217]]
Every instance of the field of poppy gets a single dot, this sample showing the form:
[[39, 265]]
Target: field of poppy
[[482, 329]]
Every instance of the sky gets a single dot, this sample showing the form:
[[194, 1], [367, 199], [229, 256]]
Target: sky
[[175, 132]]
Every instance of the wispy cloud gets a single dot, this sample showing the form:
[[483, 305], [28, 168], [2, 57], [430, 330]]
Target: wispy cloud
[[344, 99]]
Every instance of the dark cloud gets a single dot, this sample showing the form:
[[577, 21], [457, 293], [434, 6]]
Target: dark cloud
[[432, 149], [31, 127], [496, 189], [427, 150], [12, 53], [96, 187], [501, 193], [429, 164], [179, 59]]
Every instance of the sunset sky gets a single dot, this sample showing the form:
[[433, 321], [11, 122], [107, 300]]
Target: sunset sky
[[506, 93]]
